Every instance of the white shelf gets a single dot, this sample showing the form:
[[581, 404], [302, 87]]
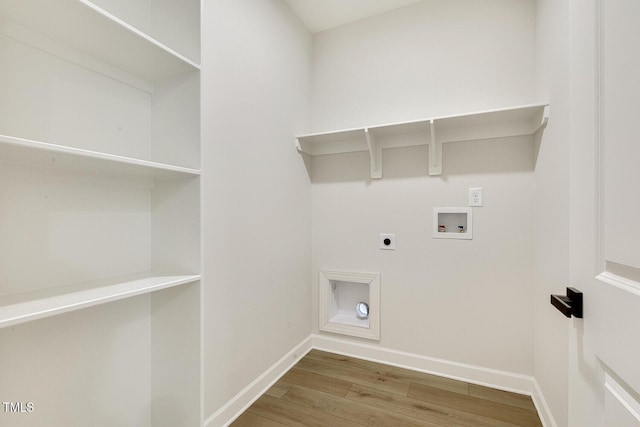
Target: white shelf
[[81, 25], [42, 154], [100, 155], [28, 306], [523, 120]]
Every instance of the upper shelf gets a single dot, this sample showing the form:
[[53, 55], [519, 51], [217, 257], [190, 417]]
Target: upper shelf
[[507, 122], [28, 306], [36, 153], [83, 26]]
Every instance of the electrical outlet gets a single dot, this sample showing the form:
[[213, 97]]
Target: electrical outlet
[[475, 197], [388, 242]]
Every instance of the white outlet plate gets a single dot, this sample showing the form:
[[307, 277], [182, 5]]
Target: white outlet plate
[[391, 240], [475, 197]]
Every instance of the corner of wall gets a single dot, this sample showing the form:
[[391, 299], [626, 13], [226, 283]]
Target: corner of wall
[[256, 195], [550, 348], [241, 401]]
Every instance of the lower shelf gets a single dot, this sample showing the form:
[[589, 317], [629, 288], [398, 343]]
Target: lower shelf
[[132, 362], [28, 306]]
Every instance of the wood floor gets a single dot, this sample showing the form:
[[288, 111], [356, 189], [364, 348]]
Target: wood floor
[[325, 389]]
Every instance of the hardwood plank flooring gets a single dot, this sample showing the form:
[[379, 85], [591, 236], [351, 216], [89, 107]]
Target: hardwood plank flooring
[[279, 389], [325, 389]]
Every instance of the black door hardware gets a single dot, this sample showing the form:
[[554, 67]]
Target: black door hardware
[[569, 305]]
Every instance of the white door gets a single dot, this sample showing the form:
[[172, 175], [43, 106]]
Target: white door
[[604, 359]]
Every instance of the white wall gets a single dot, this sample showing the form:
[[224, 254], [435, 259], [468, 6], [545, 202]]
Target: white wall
[[464, 301], [257, 218], [432, 58], [552, 210]]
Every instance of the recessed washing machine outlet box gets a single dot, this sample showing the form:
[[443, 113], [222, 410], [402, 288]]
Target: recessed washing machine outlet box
[[341, 293], [453, 223]]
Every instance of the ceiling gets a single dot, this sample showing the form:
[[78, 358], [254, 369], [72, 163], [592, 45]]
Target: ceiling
[[320, 15]]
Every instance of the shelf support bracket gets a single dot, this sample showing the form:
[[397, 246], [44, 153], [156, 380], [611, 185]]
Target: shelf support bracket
[[544, 120], [375, 153], [435, 152]]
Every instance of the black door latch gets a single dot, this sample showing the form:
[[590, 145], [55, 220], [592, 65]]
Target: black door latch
[[569, 305]]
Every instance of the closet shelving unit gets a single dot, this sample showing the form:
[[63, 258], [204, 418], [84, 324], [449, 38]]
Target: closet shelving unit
[[526, 120], [100, 212]]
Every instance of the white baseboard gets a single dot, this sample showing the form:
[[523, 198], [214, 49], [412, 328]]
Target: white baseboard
[[241, 401], [502, 380], [541, 405]]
